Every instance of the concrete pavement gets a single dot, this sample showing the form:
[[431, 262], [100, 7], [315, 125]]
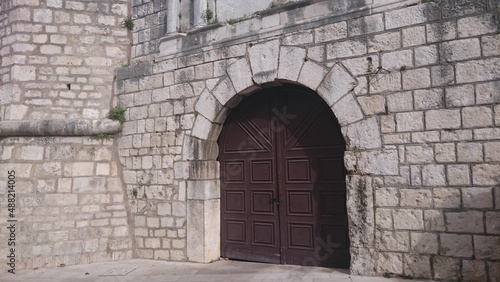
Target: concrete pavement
[[155, 271]]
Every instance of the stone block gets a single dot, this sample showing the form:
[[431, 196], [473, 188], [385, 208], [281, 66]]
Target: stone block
[[493, 222], [488, 93], [240, 74], [459, 96], [458, 174], [416, 78], [419, 154], [347, 110], [398, 241], [385, 82], [446, 268], [361, 65], [79, 169], [441, 31], [386, 197], [364, 134], [299, 38], [434, 220], [417, 198], [290, 62], [417, 266], [411, 121], [23, 73], [413, 36], [401, 101], [426, 55], [384, 42], [379, 163], [465, 222], [31, 153], [485, 174], [442, 75], [208, 106], [442, 119], [61, 199], [387, 124], [478, 70], [477, 198], [365, 25], [411, 16], [264, 61], [316, 53], [492, 151], [477, 25], [330, 32], [453, 245], [424, 243], [429, 99], [390, 263], [491, 45], [446, 197], [383, 218], [433, 175], [459, 50], [224, 91], [470, 152], [396, 60], [474, 270], [89, 184], [456, 135], [486, 247], [477, 117], [372, 105], [408, 219], [42, 16], [344, 49], [312, 74]]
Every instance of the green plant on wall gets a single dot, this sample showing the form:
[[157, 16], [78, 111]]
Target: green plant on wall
[[128, 23], [117, 113], [208, 16]]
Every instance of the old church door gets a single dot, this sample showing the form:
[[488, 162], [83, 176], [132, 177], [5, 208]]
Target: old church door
[[283, 192]]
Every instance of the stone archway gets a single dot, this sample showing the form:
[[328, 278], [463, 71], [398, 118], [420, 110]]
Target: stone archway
[[269, 64]]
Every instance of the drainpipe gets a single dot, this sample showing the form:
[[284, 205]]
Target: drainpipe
[[172, 16], [199, 8]]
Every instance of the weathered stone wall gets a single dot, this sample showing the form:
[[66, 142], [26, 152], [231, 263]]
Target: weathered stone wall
[[415, 88], [58, 63]]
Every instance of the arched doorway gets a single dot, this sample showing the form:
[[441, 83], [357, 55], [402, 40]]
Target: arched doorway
[[283, 191]]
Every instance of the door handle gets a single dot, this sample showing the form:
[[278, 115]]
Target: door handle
[[275, 200]]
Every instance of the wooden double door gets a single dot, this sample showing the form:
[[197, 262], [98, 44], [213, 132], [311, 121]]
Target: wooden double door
[[283, 192]]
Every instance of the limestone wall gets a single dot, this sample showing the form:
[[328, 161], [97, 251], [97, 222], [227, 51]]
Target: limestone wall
[[58, 59], [415, 88]]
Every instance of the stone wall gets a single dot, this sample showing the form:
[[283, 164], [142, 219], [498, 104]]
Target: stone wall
[[415, 88], [58, 62]]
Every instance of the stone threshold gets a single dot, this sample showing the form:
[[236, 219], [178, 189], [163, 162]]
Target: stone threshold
[[58, 127]]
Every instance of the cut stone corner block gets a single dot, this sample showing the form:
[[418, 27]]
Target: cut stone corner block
[[347, 110], [363, 134], [264, 59], [203, 230], [336, 84], [363, 261], [205, 129], [240, 74]]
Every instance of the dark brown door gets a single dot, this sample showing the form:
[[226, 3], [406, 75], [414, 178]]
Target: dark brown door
[[283, 181]]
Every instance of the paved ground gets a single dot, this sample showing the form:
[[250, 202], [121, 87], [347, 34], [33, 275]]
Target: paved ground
[[155, 271]]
